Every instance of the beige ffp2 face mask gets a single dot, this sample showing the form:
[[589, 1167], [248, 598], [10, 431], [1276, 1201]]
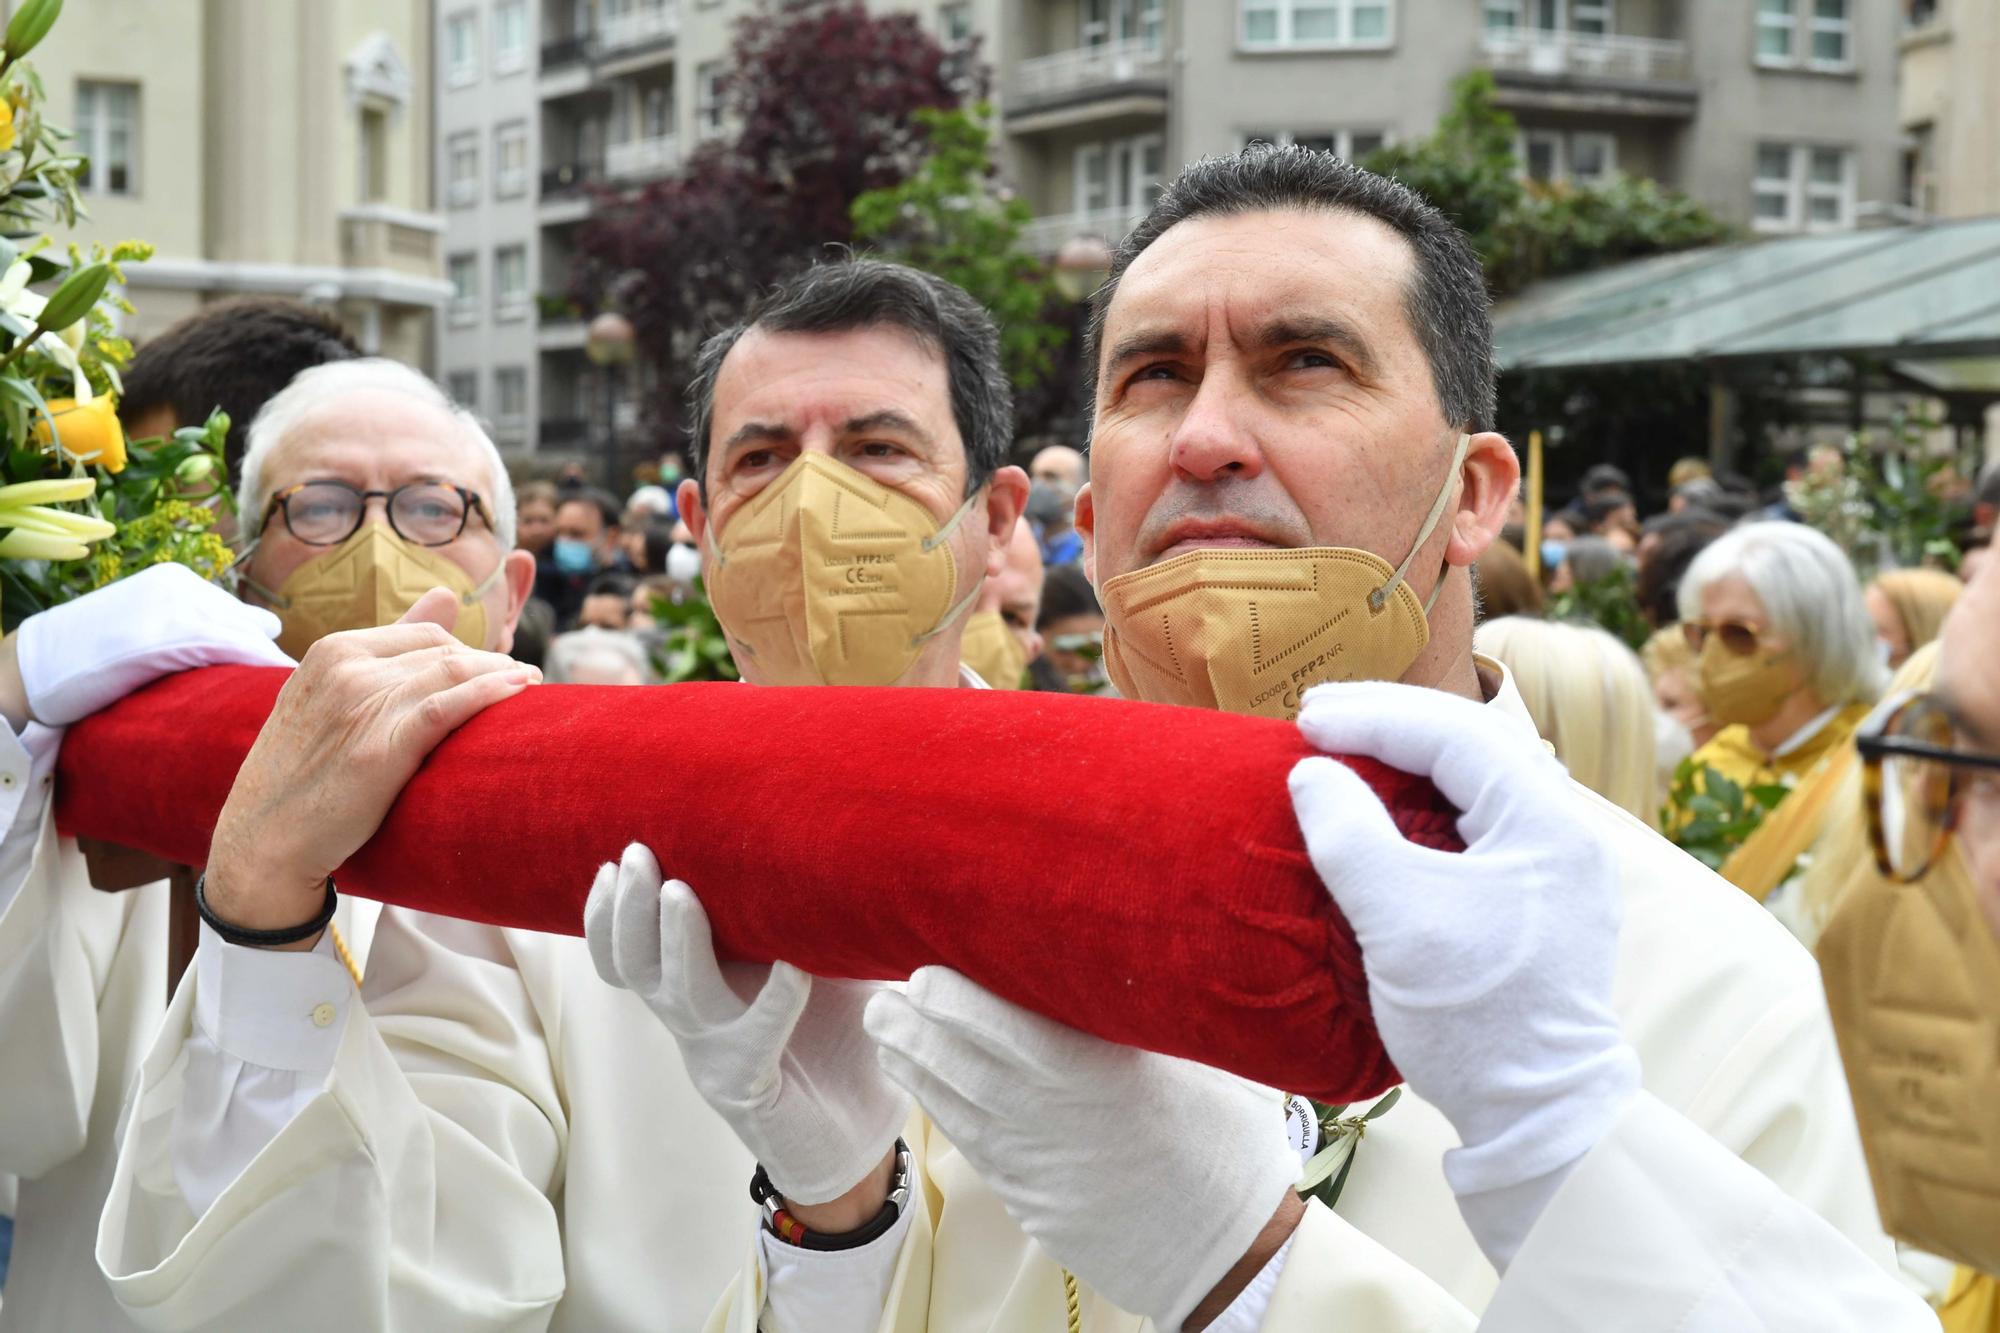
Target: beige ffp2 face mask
[[1249, 631], [371, 579], [828, 577], [1912, 977], [993, 650]]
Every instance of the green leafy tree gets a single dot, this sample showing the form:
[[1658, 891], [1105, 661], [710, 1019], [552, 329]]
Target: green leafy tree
[[952, 218], [1525, 230]]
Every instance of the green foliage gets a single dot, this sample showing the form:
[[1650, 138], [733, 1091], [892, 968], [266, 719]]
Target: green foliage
[[1340, 1136], [1709, 816], [1524, 230], [1918, 499], [163, 502], [694, 648], [1610, 603], [951, 218]]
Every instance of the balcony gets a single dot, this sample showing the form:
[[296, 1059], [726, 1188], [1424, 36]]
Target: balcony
[[1045, 236], [565, 51], [376, 236], [642, 159], [637, 37], [563, 431], [1115, 79], [1586, 72], [565, 68]]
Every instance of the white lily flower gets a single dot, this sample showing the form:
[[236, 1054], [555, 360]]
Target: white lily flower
[[61, 345]]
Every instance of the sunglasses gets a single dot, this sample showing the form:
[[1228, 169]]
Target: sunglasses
[[1738, 639], [1916, 783]]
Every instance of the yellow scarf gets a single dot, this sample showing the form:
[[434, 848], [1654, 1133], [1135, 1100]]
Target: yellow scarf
[[1973, 1305]]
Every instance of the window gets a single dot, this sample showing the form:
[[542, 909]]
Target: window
[[461, 49], [372, 155], [511, 385], [1575, 157], [1542, 155], [463, 386], [462, 170], [510, 36], [1806, 187], [1503, 15], [656, 112], [510, 161], [1592, 18], [1593, 157], [955, 23], [510, 282], [1825, 40], [1316, 24], [1919, 14], [1920, 185], [1350, 144], [463, 271], [1777, 32], [107, 136], [1832, 30], [1121, 175], [708, 103]]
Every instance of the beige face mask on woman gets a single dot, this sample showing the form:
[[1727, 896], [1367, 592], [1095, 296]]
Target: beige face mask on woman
[[371, 579], [1249, 631], [828, 577]]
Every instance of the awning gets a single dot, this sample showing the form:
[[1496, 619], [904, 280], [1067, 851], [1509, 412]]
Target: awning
[[1910, 293]]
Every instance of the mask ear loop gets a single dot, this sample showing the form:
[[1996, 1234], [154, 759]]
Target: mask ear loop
[[931, 543], [1380, 597], [478, 594]]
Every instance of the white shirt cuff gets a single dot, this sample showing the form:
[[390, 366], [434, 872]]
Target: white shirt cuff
[[829, 1291], [1246, 1313], [270, 1008]]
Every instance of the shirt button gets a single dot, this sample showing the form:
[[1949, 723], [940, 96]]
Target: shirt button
[[322, 1015], [48, 781], [9, 781]]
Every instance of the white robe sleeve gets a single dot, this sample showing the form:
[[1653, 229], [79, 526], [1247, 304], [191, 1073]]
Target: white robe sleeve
[[1661, 1228], [60, 940], [267, 1028], [408, 1184]]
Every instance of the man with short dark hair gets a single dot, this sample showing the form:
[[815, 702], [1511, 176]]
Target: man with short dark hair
[[586, 544], [234, 355], [1293, 469]]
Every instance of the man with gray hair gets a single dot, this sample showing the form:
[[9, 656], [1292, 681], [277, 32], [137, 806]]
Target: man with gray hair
[[82, 973], [450, 1143]]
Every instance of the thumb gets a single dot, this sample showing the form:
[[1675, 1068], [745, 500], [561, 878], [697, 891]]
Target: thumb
[[1354, 844], [438, 607]]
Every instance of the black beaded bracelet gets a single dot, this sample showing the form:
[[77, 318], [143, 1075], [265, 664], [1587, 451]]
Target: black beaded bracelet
[[262, 939], [779, 1221]]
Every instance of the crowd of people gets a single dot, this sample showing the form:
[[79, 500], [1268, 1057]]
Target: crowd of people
[[1625, 1103]]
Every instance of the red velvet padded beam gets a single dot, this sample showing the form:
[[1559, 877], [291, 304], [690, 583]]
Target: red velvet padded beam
[[1130, 869]]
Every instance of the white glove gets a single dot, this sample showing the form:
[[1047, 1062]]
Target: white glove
[[779, 1054], [1145, 1175], [85, 655], [1489, 970]]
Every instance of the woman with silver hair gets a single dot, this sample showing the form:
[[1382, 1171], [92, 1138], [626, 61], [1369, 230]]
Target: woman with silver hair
[[1785, 659]]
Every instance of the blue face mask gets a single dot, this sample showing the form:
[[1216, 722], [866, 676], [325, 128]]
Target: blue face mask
[[1552, 553], [573, 556]]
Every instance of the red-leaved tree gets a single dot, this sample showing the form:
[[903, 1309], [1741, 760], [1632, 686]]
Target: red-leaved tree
[[820, 96]]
